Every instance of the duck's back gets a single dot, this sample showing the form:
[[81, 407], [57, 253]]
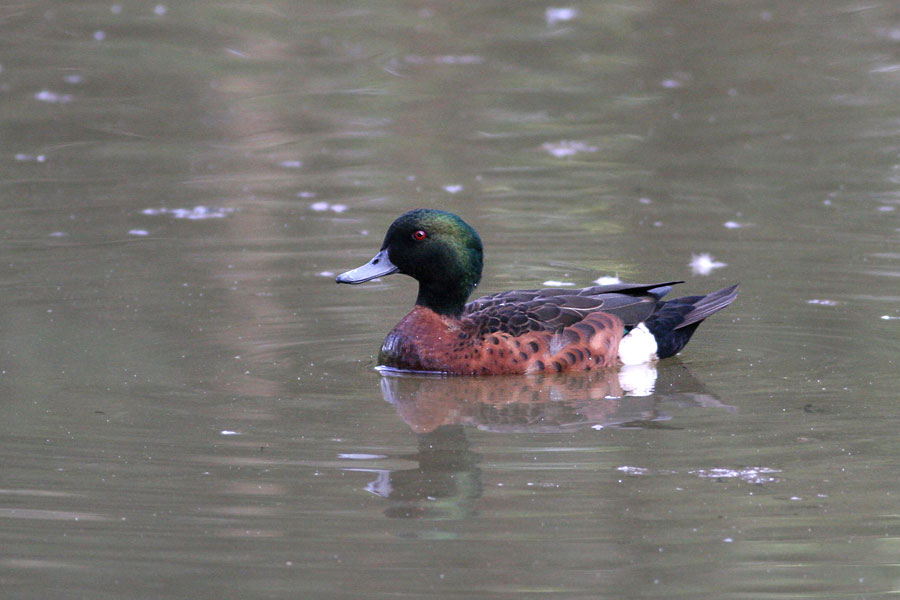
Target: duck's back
[[552, 309]]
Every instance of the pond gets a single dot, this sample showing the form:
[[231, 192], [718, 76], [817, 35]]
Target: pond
[[190, 402]]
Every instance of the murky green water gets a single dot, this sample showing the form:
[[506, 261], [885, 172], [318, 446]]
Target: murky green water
[[189, 407]]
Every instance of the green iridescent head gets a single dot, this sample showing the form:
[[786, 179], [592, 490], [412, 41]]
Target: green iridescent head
[[438, 249]]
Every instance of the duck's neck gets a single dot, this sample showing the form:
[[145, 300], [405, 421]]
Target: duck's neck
[[444, 300]]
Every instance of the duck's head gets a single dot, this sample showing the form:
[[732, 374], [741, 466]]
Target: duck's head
[[436, 248]]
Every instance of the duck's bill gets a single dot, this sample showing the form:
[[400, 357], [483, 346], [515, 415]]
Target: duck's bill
[[379, 266]]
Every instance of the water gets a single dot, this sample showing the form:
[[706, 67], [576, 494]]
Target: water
[[190, 408]]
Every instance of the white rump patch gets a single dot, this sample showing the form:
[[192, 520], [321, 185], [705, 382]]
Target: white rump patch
[[639, 346]]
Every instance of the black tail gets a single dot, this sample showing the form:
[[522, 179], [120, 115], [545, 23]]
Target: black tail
[[674, 321]]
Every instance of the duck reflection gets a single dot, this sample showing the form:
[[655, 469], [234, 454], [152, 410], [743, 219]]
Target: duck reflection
[[548, 403], [443, 485], [439, 409]]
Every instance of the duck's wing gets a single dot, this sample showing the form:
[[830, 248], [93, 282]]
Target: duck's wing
[[552, 309]]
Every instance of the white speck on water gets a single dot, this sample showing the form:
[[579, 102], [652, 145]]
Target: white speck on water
[[886, 68], [757, 475], [564, 148], [306, 194], [554, 14], [198, 213], [52, 97], [99, 35], [22, 157], [361, 456], [138, 232], [670, 83], [74, 78], [703, 264], [445, 59], [453, 59], [453, 189], [887, 208], [229, 432], [645, 200], [325, 274], [732, 225], [291, 164], [822, 302], [554, 283], [59, 234], [632, 470], [728, 540], [116, 9], [323, 206], [160, 10], [608, 280], [888, 317]]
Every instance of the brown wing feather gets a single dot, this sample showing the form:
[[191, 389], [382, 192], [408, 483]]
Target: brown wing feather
[[552, 309]]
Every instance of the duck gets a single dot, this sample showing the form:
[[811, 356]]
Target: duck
[[520, 331]]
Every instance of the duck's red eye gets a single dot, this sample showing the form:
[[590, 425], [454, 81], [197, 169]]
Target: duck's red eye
[[419, 235]]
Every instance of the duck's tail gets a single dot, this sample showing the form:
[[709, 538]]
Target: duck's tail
[[674, 321]]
